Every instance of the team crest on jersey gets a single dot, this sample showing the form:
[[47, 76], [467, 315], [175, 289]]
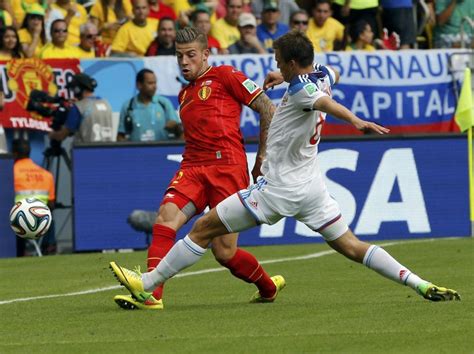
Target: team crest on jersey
[[310, 89], [204, 93], [250, 86]]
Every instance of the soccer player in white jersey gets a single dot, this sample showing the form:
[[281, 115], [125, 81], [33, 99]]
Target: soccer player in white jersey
[[291, 184]]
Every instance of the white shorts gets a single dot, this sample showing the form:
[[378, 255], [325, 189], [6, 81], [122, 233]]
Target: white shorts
[[263, 203]]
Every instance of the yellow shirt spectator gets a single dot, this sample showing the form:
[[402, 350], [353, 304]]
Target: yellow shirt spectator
[[74, 25], [85, 55], [323, 38], [18, 7], [25, 37], [358, 4], [135, 39], [367, 47], [50, 51], [181, 5], [184, 5], [7, 18], [226, 34], [5, 56], [97, 12]]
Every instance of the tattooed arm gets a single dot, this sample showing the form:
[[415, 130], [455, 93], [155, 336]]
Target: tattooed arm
[[265, 108]]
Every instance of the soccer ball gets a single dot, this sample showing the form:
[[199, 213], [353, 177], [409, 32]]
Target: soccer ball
[[30, 218]]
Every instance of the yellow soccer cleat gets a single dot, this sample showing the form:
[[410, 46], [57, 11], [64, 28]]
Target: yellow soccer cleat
[[132, 280], [127, 302], [279, 282], [437, 293]]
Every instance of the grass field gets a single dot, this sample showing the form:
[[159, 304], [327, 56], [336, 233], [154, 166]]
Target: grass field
[[329, 305]]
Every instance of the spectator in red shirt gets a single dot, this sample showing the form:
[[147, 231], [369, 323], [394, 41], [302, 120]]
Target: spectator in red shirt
[[214, 161], [164, 41], [201, 20], [159, 10]]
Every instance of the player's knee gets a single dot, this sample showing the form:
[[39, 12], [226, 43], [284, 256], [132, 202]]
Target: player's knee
[[224, 248], [350, 246], [351, 253], [356, 250], [223, 254], [170, 215], [202, 227], [208, 226]]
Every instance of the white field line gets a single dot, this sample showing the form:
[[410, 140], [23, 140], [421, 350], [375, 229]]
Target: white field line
[[199, 272]]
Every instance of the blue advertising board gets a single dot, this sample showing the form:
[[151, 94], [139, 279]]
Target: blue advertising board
[[7, 196], [387, 189]]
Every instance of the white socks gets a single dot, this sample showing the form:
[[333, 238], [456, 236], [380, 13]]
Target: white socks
[[383, 263], [185, 253], [182, 255]]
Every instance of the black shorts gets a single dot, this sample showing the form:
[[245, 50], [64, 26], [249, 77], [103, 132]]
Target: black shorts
[[400, 20]]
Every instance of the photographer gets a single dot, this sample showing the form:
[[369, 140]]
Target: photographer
[[147, 116], [90, 117]]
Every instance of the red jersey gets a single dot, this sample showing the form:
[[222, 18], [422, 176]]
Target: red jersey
[[210, 110], [164, 11]]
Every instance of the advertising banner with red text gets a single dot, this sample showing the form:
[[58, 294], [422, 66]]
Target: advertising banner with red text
[[20, 77]]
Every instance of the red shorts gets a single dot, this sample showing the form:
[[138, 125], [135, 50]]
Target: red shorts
[[207, 185]]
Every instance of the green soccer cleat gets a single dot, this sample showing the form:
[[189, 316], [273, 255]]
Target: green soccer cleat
[[127, 302], [132, 280], [437, 293], [279, 282]]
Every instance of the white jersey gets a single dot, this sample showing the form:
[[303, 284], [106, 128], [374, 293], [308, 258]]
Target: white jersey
[[294, 132], [292, 184]]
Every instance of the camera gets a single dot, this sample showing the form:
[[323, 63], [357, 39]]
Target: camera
[[48, 106]]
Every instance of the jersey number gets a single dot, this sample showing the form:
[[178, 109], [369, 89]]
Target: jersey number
[[317, 131]]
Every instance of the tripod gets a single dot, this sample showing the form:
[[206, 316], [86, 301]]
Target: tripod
[[56, 151], [53, 156]]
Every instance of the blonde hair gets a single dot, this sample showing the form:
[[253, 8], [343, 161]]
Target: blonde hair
[[190, 35]]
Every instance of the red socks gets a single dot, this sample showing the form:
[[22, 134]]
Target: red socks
[[163, 240], [246, 267], [243, 265]]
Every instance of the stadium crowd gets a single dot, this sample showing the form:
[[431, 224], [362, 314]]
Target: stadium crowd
[[130, 28], [61, 29]]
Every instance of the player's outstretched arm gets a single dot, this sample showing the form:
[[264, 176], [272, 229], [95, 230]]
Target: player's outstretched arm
[[328, 105], [265, 108], [272, 79]]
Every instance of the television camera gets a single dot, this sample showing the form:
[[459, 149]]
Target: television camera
[[49, 106]]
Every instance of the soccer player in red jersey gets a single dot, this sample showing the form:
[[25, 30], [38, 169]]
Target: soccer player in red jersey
[[214, 163]]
